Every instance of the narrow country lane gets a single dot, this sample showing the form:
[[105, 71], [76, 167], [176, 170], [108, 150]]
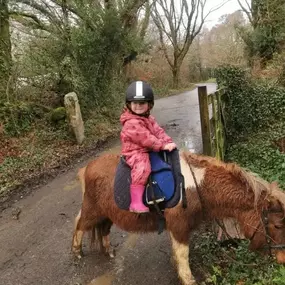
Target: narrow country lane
[[35, 249]]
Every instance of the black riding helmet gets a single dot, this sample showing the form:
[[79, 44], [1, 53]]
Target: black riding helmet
[[139, 91]]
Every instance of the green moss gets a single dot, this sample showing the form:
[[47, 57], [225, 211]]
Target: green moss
[[58, 114]]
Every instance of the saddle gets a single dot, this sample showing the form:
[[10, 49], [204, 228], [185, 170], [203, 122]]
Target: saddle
[[165, 187]]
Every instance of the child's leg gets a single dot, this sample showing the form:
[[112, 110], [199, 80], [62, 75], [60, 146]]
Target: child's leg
[[140, 173]]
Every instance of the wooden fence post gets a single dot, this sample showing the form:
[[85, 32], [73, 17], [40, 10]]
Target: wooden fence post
[[204, 117]]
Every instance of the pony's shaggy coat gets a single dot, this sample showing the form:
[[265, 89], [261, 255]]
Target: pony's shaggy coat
[[224, 191]]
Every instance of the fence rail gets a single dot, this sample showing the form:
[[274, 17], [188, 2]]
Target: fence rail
[[212, 122]]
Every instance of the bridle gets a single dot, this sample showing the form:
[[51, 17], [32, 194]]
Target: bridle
[[265, 222]]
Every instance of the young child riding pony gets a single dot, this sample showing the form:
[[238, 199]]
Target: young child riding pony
[[141, 134]]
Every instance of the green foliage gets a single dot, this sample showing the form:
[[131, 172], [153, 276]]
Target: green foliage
[[17, 118], [98, 58], [250, 105], [233, 264], [259, 154], [255, 124], [86, 58], [5, 49], [267, 33]]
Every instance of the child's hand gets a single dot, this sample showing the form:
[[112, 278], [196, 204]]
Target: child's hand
[[170, 146]]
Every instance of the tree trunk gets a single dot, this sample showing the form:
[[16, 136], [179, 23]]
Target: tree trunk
[[5, 50], [176, 74], [64, 84]]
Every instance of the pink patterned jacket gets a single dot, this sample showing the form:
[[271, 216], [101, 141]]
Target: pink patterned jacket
[[141, 134]]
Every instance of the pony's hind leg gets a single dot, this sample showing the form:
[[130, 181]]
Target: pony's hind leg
[[181, 256], [77, 237], [86, 220], [105, 231]]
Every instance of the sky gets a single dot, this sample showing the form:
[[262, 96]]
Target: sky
[[228, 8]]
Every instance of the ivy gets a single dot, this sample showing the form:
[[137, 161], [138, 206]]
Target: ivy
[[18, 118], [250, 105], [260, 155], [255, 122]]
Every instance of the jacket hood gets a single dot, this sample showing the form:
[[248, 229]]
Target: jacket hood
[[127, 115]]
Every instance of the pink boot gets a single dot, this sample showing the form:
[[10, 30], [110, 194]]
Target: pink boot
[[137, 204]]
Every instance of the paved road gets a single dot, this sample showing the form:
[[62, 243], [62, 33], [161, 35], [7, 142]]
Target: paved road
[[35, 249]]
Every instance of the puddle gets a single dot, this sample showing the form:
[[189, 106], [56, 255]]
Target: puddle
[[190, 145], [73, 184], [131, 240], [105, 279]]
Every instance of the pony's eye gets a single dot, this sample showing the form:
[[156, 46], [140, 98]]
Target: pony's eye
[[279, 227]]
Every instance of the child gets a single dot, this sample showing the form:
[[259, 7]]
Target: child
[[141, 134]]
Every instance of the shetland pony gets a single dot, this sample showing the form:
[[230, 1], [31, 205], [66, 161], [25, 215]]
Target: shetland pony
[[214, 190]]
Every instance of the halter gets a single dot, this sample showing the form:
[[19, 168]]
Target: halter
[[264, 220]]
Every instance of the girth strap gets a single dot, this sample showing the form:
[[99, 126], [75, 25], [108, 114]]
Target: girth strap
[[159, 211]]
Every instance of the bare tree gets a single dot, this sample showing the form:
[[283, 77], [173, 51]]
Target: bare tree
[[5, 50], [248, 9], [178, 23]]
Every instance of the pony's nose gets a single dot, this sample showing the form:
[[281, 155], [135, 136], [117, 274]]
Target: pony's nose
[[280, 256]]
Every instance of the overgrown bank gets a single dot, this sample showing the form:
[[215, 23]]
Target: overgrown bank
[[255, 116], [255, 123], [39, 155]]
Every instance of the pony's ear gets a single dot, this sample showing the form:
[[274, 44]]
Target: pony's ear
[[274, 205], [274, 185]]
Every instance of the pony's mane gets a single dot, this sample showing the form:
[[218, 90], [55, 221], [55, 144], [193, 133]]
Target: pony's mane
[[250, 179]]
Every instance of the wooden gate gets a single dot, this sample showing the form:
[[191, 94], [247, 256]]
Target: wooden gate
[[212, 122], [214, 144]]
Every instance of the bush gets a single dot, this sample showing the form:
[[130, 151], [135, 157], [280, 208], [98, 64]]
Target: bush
[[18, 117], [98, 58]]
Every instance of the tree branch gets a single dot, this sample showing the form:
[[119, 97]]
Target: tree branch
[[36, 24], [247, 12]]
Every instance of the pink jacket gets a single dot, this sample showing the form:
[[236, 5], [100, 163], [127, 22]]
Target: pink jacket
[[141, 134]]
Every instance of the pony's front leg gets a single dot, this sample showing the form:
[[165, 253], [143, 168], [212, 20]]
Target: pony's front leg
[[107, 245], [181, 256], [105, 231]]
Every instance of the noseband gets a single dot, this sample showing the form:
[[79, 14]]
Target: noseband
[[265, 221]]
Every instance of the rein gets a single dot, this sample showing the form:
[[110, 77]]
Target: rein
[[197, 187], [221, 225]]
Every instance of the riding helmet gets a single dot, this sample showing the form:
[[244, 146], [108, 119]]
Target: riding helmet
[[139, 91]]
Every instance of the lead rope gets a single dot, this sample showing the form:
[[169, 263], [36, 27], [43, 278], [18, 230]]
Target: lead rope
[[201, 202]]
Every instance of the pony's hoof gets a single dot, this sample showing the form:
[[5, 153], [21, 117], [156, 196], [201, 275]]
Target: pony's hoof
[[77, 253], [189, 281], [112, 253]]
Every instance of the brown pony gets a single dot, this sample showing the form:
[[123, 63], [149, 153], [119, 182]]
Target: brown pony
[[214, 190]]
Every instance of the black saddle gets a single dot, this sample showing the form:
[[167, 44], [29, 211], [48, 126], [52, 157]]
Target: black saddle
[[153, 195]]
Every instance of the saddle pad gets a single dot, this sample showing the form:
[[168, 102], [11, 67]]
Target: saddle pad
[[123, 181], [161, 184]]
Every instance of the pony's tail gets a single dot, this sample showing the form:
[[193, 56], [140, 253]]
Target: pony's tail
[[81, 178]]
